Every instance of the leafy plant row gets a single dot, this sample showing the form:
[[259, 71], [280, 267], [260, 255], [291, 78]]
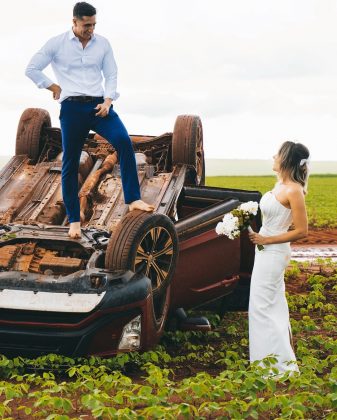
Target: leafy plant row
[[193, 375]]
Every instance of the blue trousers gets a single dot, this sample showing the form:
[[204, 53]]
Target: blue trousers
[[77, 119]]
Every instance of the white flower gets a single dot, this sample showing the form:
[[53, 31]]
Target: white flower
[[220, 229], [249, 207], [234, 234], [229, 226], [231, 222]]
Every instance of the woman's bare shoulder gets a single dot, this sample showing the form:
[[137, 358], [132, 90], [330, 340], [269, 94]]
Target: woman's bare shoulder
[[294, 189]]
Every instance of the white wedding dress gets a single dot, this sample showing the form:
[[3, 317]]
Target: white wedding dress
[[269, 326]]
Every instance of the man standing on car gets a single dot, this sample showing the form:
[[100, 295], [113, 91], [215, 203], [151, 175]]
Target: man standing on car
[[80, 59]]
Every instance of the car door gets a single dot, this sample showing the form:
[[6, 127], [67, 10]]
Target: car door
[[209, 266]]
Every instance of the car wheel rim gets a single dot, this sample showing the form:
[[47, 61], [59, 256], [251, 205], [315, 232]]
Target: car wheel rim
[[154, 255]]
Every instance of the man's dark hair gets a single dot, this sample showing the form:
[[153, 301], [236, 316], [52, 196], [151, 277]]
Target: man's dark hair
[[83, 9]]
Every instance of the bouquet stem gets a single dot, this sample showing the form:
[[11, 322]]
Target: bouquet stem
[[259, 247]]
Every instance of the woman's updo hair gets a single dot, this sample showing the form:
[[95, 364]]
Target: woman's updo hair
[[294, 162]]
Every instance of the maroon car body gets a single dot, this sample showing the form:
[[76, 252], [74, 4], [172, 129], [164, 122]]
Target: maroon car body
[[114, 289]]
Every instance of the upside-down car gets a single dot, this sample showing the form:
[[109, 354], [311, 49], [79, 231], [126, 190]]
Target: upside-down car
[[114, 289]]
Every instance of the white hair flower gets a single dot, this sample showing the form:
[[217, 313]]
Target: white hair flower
[[303, 161]]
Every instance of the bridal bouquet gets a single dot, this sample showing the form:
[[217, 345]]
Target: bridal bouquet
[[234, 222]]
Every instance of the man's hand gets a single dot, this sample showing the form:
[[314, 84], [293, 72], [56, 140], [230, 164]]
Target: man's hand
[[56, 89], [103, 109]]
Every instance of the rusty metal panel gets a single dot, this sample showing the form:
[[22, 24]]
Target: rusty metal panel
[[23, 263], [11, 167], [169, 199], [8, 254], [23, 186], [60, 264]]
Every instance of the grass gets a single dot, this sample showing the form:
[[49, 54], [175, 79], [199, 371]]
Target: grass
[[193, 374], [321, 198]]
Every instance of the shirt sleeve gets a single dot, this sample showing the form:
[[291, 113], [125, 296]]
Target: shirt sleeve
[[40, 61], [109, 69]]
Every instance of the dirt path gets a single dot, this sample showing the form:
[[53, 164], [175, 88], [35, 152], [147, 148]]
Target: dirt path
[[318, 244]]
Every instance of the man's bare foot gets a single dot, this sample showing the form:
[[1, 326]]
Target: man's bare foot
[[140, 205], [75, 230]]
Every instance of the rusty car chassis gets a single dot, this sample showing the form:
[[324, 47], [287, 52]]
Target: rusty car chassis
[[114, 289]]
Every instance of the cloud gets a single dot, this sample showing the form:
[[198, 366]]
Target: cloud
[[252, 70]]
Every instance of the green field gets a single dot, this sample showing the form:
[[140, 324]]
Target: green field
[[321, 198], [192, 375]]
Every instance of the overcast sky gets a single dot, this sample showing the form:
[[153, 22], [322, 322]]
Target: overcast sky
[[258, 72]]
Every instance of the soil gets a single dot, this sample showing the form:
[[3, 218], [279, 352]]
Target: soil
[[319, 237]]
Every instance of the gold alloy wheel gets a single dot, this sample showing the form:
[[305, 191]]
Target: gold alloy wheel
[[154, 255], [147, 244]]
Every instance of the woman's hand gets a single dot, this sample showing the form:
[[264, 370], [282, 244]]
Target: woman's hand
[[257, 239]]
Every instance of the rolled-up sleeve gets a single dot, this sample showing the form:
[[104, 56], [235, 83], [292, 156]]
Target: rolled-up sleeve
[[40, 61], [110, 74]]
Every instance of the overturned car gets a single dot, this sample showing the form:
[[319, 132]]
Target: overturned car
[[114, 289]]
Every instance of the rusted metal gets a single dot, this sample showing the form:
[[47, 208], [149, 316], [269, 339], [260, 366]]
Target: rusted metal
[[92, 181], [57, 265], [34, 258], [31, 194], [7, 256]]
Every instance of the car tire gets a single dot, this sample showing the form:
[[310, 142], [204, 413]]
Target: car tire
[[160, 309], [187, 148], [29, 137], [132, 246]]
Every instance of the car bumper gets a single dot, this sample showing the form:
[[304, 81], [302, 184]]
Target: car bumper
[[51, 319]]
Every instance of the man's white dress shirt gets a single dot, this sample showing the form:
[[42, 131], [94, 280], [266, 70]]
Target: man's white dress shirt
[[79, 71]]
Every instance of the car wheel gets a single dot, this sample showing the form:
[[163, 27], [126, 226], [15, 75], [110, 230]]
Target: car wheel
[[29, 137], [145, 243], [187, 147]]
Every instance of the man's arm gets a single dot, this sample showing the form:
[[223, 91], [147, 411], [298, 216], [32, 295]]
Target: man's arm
[[109, 69], [39, 62]]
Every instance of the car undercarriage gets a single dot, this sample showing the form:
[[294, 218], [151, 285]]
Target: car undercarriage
[[114, 288]]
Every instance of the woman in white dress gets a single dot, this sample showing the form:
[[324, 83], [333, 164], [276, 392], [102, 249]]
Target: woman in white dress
[[269, 327]]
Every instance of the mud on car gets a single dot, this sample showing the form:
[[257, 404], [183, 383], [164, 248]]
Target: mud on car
[[114, 289]]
